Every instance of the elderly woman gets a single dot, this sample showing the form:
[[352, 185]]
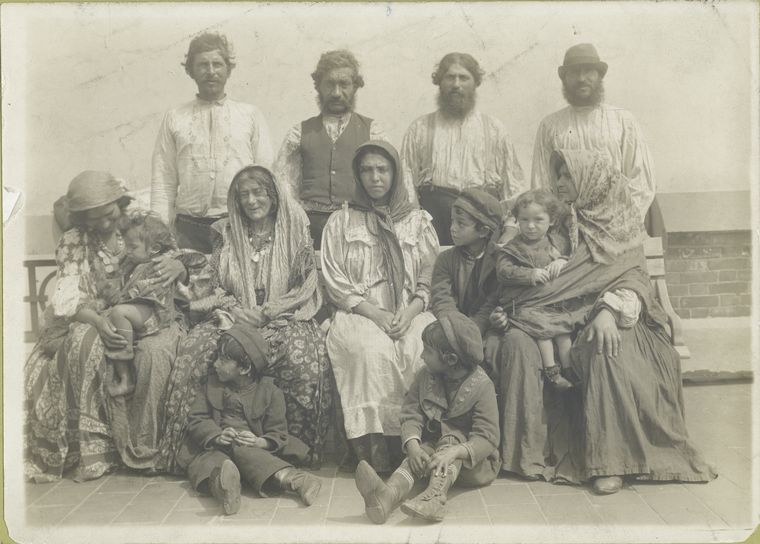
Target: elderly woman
[[627, 417], [70, 420], [377, 261], [262, 273]]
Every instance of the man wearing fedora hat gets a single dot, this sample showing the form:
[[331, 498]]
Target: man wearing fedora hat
[[588, 123]]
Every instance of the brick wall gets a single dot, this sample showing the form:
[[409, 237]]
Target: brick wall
[[709, 274]]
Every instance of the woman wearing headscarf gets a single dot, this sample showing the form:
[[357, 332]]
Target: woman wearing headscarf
[[70, 420], [377, 259], [263, 274], [627, 418]]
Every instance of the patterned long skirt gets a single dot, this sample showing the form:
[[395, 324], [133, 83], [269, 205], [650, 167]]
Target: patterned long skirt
[[70, 421], [297, 361]]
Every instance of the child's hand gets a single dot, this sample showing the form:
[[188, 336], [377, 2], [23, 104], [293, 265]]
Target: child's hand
[[555, 267], [227, 437], [247, 438], [418, 458], [498, 319], [539, 275], [442, 458]]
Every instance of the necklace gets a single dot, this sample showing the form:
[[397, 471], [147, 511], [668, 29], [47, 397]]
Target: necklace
[[110, 259], [259, 241]]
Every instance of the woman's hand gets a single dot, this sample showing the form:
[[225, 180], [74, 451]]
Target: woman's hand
[[498, 319], [539, 275], [253, 317], [227, 437], [111, 338], [442, 458], [418, 458], [403, 319], [168, 270], [604, 328], [555, 267], [382, 318]]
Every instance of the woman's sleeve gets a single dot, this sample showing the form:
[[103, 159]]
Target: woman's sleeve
[[339, 288], [302, 284], [428, 253], [625, 304], [72, 277]]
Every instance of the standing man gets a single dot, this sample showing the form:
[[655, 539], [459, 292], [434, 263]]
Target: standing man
[[588, 123], [315, 158], [202, 144], [458, 147]]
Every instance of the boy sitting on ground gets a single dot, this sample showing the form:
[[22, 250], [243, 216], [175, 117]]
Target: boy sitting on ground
[[449, 426], [238, 427]]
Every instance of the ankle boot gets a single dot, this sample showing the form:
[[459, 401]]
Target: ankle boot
[[380, 499], [224, 484], [431, 503], [297, 481]]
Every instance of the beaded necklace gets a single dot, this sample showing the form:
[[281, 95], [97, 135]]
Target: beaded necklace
[[259, 241]]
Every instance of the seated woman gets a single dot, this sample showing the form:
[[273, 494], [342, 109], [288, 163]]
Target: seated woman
[[377, 260], [262, 272], [627, 418], [70, 420]]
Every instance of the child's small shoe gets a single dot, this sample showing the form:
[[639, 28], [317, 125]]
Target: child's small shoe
[[553, 376], [306, 485], [225, 486]]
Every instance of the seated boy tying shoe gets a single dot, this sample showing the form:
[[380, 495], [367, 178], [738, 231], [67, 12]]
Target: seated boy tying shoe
[[449, 426], [238, 427]]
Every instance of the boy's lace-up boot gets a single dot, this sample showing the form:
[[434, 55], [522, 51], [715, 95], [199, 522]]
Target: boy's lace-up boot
[[431, 503]]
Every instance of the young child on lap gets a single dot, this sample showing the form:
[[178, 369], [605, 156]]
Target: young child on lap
[[143, 306], [237, 429], [532, 258], [449, 426]]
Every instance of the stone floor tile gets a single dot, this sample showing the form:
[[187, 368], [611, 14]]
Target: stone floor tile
[[736, 513], [313, 515], [347, 510], [67, 494], [545, 488], [508, 494], [479, 521], [683, 508], [344, 486], [35, 491], [465, 503], [628, 514], [516, 514], [188, 517], [568, 510], [192, 500], [653, 488], [124, 483], [253, 508], [626, 496], [719, 490], [98, 509], [160, 493], [152, 512], [47, 515]]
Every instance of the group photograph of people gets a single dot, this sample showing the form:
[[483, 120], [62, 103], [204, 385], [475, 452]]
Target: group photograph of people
[[423, 282]]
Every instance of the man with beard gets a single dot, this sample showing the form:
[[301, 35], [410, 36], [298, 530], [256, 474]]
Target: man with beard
[[458, 147], [589, 123], [315, 158], [202, 145]]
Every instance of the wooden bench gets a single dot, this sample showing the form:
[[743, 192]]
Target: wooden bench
[[37, 297]]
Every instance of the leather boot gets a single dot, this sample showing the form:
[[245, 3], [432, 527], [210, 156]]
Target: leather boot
[[380, 499], [224, 484], [297, 481], [431, 503]]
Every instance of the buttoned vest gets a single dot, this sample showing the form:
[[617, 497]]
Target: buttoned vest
[[326, 166]]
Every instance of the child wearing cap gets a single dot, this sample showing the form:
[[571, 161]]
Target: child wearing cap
[[449, 426], [464, 276], [238, 429]]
